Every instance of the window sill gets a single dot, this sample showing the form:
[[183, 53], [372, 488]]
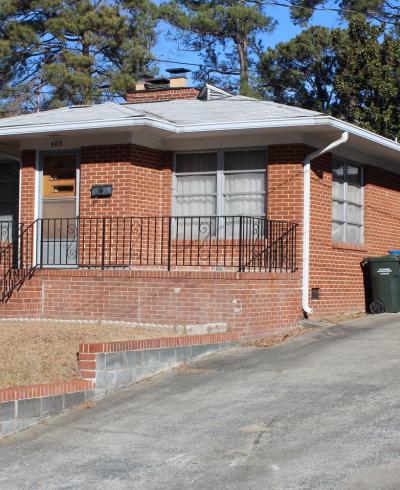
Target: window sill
[[350, 246]]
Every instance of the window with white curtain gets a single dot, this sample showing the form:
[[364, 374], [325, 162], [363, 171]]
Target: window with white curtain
[[221, 183], [347, 202], [196, 184]]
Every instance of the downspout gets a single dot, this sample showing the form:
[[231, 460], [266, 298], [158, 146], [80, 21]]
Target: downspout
[[306, 215]]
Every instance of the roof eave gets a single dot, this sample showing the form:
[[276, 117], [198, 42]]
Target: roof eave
[[40, 129], [154, 122], [362, 133], [160, 124]]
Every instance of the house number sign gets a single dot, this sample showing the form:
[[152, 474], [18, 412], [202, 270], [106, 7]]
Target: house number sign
[[56, 143]]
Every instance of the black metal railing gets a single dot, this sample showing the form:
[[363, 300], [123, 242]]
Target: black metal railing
[[238, 243], [276, 254], [17, 261], [227, 242]]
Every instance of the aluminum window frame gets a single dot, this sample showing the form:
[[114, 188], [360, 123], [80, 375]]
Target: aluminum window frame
[[345, 201], [220, 176]]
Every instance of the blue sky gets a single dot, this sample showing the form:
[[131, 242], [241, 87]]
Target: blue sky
[[284, 31]]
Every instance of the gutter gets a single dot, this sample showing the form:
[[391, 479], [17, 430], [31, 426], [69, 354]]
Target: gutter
[[177, 128], [306, 215]]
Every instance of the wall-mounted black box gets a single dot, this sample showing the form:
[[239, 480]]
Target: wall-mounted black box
[[101, 190]]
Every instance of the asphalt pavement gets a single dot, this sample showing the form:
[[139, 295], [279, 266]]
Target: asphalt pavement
[[319, 412]]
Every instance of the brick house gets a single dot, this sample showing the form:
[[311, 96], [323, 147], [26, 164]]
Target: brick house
[[191, 207]]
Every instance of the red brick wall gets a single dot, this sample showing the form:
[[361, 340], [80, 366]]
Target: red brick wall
[[27, 204], [252, 304], [285, 187], [166, 184], [162, 95], [285, 182], [140, 179], [142, 185], [335, 267]]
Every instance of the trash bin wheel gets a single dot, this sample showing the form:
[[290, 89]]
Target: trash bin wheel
[[377, 307]]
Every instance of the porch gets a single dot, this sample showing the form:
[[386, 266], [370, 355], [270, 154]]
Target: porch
[[164, 243]]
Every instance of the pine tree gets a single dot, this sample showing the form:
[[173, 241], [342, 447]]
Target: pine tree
[[386, 12], [302, 70], [69, 50], [367, 82], [353, 74], [225, 32]]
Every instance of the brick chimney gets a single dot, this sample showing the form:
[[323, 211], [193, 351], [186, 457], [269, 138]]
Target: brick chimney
[[161, 89]]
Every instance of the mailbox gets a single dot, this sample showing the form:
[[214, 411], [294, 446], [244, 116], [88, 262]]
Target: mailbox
[[101, 190]]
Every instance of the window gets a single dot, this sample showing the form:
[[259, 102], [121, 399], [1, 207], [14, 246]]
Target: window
[[230, 183], [244, 178], [196, 185], [347, 202]]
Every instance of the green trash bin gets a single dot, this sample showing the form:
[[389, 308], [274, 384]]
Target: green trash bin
[[384, 277]]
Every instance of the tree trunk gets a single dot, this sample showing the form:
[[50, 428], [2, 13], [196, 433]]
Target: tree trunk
[[244, 66], [86, 53]]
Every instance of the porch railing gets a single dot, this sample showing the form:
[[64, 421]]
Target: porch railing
[[226, 242], [240, 243], [17, 260]]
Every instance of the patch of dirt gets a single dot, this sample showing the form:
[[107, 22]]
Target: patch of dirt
[[33, 352], [344, 317], [273, 340], [87, 404]]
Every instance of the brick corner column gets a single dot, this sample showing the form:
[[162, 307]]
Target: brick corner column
[[27, 198]]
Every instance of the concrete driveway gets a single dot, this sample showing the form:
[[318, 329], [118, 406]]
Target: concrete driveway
[[322, 411]]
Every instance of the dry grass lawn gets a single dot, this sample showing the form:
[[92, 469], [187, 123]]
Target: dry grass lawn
[[34, 352]]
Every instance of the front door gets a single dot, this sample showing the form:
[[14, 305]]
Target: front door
[[58, 226]]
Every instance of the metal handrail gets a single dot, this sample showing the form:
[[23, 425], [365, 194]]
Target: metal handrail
[[232, 242], [17, 261], [240, 243]]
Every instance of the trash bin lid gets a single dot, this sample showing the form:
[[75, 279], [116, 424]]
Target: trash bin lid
[[383, 258]]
